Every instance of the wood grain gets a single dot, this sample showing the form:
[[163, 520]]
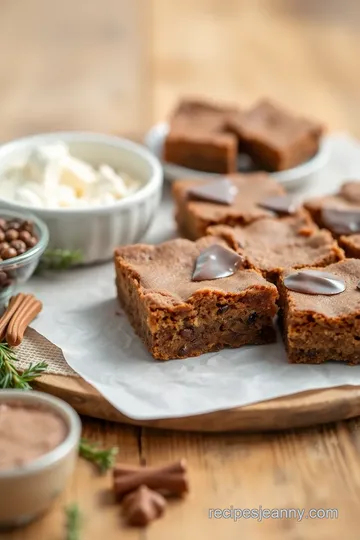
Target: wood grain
[[77, 65], [299, 410], [119, 65], [300, 52]]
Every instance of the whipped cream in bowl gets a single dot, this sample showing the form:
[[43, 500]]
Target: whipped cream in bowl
[[50, 177], [93, 191]]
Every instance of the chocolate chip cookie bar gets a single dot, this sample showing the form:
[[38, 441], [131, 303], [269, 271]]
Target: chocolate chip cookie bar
[[274, 138], [202, 151], [187, 298], [197, 137], [320, 313], [235, 200], [271, 245], [200, 115]]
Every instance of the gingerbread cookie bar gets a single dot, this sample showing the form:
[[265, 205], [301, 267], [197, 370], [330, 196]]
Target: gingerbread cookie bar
[[201, 150], [197, 137], [340, 212], [271, 245], [234, 200], [180, 306], [274, 138], [200, 115], [320, 313]]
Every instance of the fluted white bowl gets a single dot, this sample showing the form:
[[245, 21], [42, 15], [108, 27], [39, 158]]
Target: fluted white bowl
[[95, 231]]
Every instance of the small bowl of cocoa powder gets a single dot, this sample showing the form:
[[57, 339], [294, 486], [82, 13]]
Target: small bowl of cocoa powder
[[23, 240], [39, 439]]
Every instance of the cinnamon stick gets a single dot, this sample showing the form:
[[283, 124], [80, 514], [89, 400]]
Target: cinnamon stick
[[171, 479], [177, 467], [14, 304], [29, 308]]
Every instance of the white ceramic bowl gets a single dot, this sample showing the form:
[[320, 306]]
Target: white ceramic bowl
[[95, 231], [290, 179], [26, 492]]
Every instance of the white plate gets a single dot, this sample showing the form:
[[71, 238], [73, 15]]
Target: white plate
[[290, 178]]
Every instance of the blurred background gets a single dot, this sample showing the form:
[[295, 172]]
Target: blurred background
[[119, 65]]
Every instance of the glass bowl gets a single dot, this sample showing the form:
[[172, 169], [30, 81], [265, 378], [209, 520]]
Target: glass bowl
[[19, 269]]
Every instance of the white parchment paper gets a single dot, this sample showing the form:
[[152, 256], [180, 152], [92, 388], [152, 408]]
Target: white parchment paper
[[82, 317]]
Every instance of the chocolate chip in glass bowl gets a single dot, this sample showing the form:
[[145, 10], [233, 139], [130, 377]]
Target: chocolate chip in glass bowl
[[24, 236], [19, 245], [16, 237], [27, 226], [8, 253], [4, 245], [11, 234], [31, 242], [13, 225]]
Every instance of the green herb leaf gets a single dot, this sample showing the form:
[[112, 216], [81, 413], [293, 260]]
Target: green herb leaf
[[10, 377], [103, 459], [73, 522], [58, 259]]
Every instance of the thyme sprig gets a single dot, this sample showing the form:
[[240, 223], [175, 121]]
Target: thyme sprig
[[104, 459], [10, 377], [73, 522], [58, 259]]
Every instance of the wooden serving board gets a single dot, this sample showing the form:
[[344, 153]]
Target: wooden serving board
[[305, 409]]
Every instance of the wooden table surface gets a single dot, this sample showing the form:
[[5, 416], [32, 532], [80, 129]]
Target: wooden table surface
[[117, 66]]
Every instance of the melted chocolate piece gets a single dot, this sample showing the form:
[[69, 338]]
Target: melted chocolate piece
[[314, 282], [341, 221], [283, 205], [218, 191], [351, 192], [216, 262], [358, 286]]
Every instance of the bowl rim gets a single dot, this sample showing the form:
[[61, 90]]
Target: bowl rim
[[138, 150], [72, 438], [154, 140], [33, 252]]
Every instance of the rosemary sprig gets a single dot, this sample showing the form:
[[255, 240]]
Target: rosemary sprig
[[58, 259], [103, 459], [10, 376], [73, 522]]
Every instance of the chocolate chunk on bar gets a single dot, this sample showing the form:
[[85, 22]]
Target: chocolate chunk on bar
[[195, 216], [274, 138], [340, 212], [318, 328], [272, 245], [177, 317]]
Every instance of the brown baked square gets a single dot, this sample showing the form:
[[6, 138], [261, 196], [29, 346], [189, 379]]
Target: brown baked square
[[273, 245], [195, 216], [177, 317], [197, 138], [202, 151], [274, 138], [319, 328]]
